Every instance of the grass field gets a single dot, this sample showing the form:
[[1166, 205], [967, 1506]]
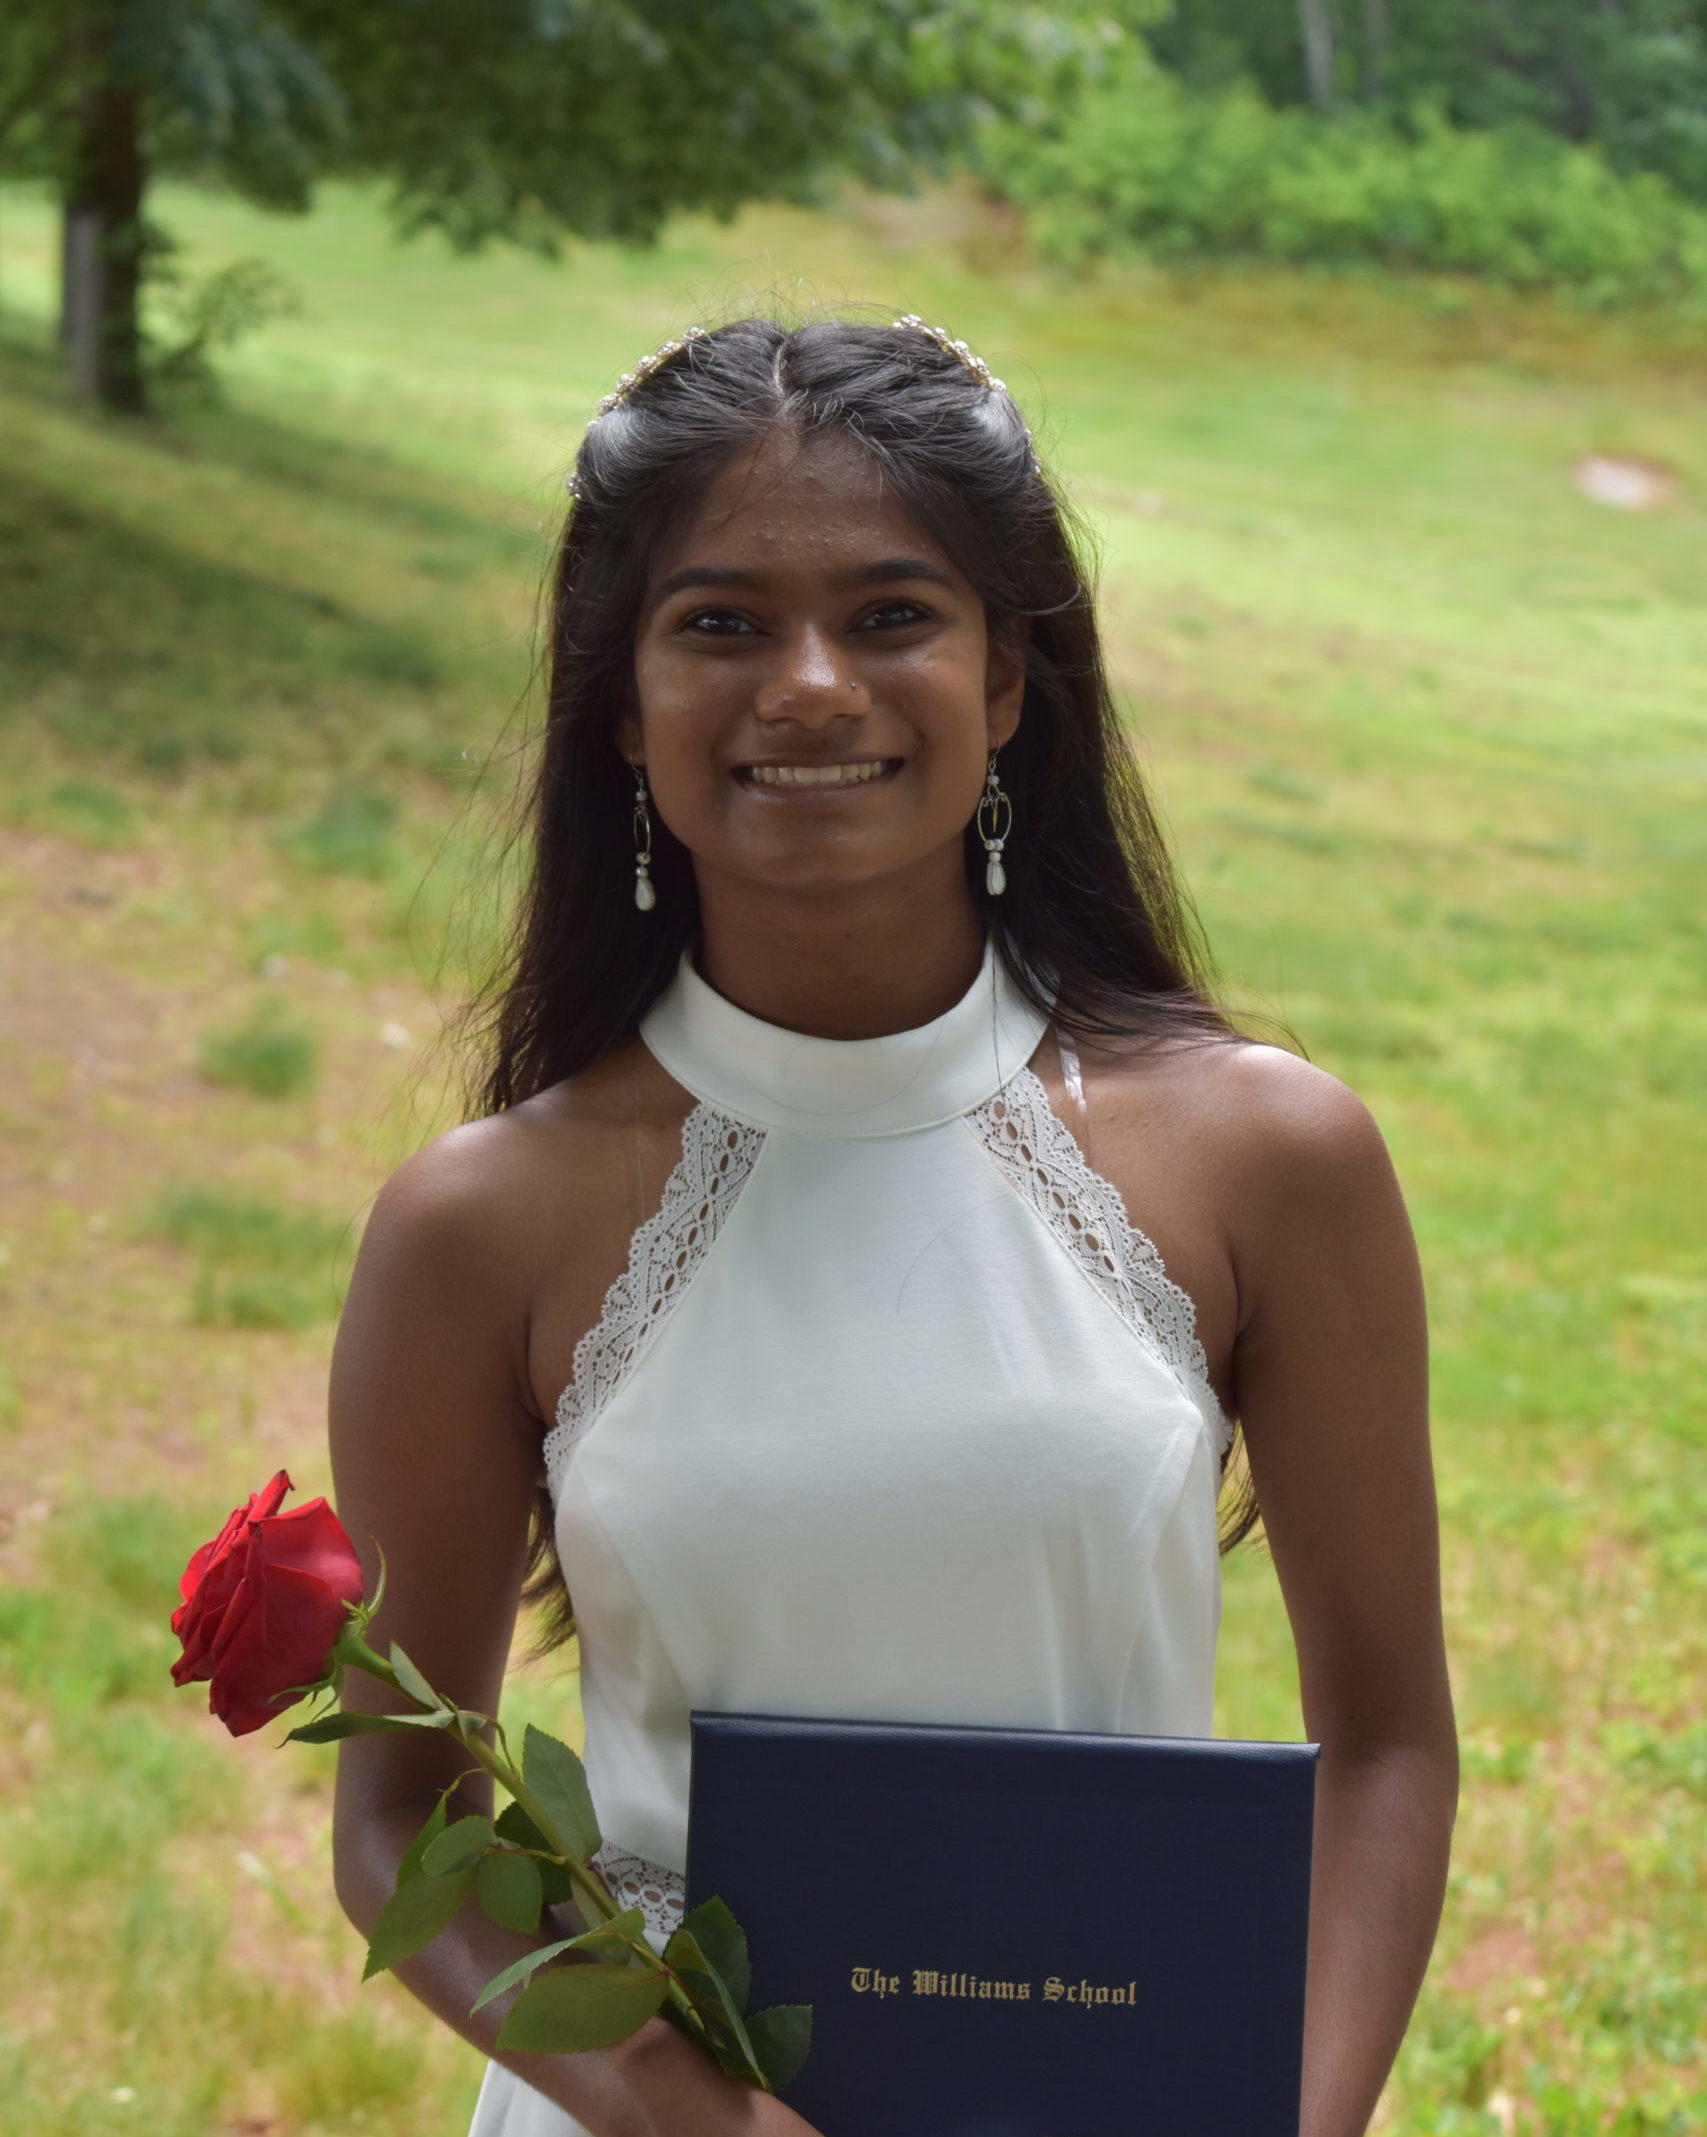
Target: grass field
[[1431, 731]]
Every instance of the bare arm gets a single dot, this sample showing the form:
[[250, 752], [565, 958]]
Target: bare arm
[[435, 1454], [1331, 1368]]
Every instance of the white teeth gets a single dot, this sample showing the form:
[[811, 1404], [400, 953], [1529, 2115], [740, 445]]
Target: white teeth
[[814, 775]]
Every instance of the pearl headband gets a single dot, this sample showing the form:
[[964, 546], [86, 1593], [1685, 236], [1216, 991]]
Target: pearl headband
[[643, 370], [979, 369], [662, 355]]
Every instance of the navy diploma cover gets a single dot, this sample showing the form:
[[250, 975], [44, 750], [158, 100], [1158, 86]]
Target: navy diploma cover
[[1017, 1933]]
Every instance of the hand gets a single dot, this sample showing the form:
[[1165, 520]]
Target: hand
[[770, 2117], [670, 2085]]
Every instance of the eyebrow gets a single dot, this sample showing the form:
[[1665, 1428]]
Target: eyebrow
[[884, 572]]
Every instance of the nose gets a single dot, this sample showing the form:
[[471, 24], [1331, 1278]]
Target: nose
[[811, 680]]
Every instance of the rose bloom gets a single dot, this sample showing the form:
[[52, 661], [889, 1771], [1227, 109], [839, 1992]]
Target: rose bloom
[[264, 1605]]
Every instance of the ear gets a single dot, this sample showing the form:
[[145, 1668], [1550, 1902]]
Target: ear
[[1004, 678], [626, 735]]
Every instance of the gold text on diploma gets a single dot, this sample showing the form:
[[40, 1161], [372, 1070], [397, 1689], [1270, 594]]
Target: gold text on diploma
[[874, 1981]]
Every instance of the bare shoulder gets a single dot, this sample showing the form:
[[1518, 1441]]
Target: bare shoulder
[[1265, 1114], [1287, 1118], [1313, 1217], [490, 1190]]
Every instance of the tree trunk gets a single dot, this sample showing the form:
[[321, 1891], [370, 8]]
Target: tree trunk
[[103, 244], [1316, 22], [1377, 36], [64, 327]]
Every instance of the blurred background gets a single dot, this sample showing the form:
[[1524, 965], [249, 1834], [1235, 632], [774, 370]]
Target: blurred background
[[1370, 337]]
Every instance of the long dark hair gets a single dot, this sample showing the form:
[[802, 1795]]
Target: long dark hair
[[1095, 924]]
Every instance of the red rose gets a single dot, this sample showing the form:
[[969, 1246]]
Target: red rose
[[264, 1605]]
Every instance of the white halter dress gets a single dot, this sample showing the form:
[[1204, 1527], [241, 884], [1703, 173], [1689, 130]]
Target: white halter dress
[[893, 1415]]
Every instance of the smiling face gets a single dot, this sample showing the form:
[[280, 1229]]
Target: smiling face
[[817, 691]]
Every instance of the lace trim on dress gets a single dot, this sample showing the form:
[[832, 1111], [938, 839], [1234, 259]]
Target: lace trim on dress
[[660, 1894], [717, 1155], [1037, 1152]]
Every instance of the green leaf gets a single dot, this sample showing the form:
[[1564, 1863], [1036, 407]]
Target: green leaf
[[509, 1889], [423, 1840], [413, 1917], [714, 2002], [724, 1943], [615, 1938], [459, 1846], [519, 1972], [333, 1726], [515, 1826], [577, 2007], [410, 1678], [782, 2038], [555, 1776]]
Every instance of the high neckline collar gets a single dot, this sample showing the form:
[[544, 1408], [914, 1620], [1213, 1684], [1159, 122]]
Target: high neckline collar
[[843, 1089]]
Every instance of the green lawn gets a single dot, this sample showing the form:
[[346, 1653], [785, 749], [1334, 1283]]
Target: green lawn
[[1431, 732]]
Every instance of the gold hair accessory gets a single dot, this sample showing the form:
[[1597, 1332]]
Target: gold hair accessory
[[630, 379], [979, 369], [645, 367]]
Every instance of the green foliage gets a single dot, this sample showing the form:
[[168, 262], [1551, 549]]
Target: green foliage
[[782, 2039], [124, 1769], [459, 1847], [124, 1554], [515, 1826], [333, 1728], [577, 2007], [230, 86], [724, 1943], [256, 1264], [613, 1941], [230, 1229], [91, 812], [462, 110], [508, 1887], [673, 108], [557, 1781], [410, 1680], [1147, 166], [350, 834], [233, 87], [414, 1915], [415, 1852], [529, 1963], [200, 316], [580, 2006], [266, 1054], [1631, 76]]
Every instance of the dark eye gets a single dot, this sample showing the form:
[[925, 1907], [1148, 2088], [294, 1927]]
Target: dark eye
[[715, 622], [895, 615]]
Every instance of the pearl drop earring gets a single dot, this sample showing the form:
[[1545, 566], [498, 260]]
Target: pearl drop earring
[[995, 827], [645, 897]]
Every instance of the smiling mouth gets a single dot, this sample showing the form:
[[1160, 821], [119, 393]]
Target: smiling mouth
[[817, 776]]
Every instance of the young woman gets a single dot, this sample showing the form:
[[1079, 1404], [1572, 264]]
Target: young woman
[[872, 1229]]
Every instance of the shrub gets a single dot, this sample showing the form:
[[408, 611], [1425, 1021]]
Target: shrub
[[349, 835], [257, 1265], [78, 808], [228, 1228], [266, 1055], [1146, 165]]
